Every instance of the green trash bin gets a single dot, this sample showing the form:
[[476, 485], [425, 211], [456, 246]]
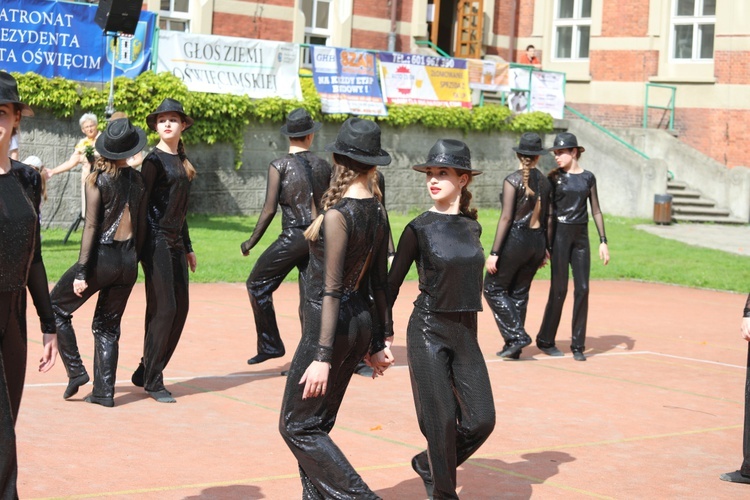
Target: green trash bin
[[663, 209]]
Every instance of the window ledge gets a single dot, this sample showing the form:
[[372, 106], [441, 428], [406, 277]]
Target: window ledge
[[678, 79], [577, 78]]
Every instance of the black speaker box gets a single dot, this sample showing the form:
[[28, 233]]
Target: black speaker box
[[118, 15]]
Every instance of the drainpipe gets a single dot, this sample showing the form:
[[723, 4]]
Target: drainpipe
[[392, 33], [512, 35]]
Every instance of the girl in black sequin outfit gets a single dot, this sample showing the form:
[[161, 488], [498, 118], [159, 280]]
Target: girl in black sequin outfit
[[572, 188], [167, 252], [449, 378], [520, 245], [348, 246], [21, 265], [108, 261]]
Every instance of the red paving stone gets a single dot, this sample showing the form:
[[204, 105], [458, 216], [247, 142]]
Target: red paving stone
[[655, 412]]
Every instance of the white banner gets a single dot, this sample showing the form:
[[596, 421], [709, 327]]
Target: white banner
[[548, 93], [230, 65]]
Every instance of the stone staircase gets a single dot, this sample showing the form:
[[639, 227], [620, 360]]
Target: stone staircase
[[689, 205]]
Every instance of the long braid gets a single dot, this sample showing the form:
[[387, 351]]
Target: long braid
[[189, 168], [527, 163], [464, 204], [344, 177], [374, 185], [101, 165]]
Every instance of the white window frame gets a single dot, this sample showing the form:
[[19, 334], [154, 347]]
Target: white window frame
[[173, 15], [696, 21], [575, 22], [313, 31]]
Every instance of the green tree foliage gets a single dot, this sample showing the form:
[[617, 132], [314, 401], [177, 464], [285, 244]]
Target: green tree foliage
[[218, 117]]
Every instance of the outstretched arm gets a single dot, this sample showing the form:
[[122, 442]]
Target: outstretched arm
[[273, 188]]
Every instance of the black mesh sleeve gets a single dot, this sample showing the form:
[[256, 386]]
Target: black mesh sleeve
[[335, 241], [39, 290], [406, 254], [379, 283], [90, 230], [186, 237], [596, 212], [273, 188], [506, 218]]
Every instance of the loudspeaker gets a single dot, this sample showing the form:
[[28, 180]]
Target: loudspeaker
[[118, 15]]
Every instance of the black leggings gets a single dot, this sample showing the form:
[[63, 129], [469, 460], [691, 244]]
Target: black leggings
[[507, 291], [167, 304], [12, 374], [113, 276], [290, 250], [570, 248], [452, 392], [305, 424]]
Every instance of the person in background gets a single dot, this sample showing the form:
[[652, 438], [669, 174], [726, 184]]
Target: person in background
[[296, 182], [530, 58], [108, 261], [742, 475], [449, 378], [520, 245], [348, 244], [21, 266], [167, 250], [572, 188]]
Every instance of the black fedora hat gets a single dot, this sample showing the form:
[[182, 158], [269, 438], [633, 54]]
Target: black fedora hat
[[530, 144], [9, 93], [359, 140], [566, 140], [299, 123], [168, 105], [448, 153], [121, 140]]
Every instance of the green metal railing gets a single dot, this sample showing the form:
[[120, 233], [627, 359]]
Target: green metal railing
[[433, 47], [608, 132], [669, 106]]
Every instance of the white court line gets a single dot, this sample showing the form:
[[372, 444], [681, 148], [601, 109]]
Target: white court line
[[545, 358]]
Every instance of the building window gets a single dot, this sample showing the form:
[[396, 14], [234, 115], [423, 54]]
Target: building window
[[174, 15], [316, 25], [693, 24], [572, 29]]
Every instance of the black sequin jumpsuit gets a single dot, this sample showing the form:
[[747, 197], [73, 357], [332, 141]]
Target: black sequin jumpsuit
[[570, 247], [21, 265], [163, 258], [449, 378], [520, 249], [296, 182], [337, 329], [108, 266], [745, 468]]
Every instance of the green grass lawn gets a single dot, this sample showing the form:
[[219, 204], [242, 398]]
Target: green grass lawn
[[635, 254]]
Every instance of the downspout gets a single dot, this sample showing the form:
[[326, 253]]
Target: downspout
[[512, 35], [392, 33]]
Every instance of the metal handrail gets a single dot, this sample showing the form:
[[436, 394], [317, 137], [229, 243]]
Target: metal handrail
[[608, 132], [432, 46], [669, 106]]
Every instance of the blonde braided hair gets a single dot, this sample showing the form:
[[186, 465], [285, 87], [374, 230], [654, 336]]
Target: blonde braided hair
[[464, 204], [527, 163]]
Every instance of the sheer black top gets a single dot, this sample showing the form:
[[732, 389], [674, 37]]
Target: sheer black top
[[167, 191], [106, 202], [353, 242], [20, 239], [296, 182], [569, 195], [450, 262], [518, 205]]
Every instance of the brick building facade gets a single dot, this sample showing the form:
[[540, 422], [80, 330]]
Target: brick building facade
[[609, 49]]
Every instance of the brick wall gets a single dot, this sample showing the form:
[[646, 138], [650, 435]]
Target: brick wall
[[525, 18], [718, 133], [623, 65], [370, 8], [732, 66], [256, 27], [628, 18], [377, 40]]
